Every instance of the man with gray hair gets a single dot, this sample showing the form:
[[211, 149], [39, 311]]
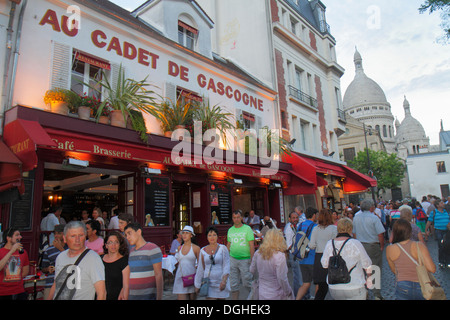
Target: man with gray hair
[[368, 229], [86, 280], [301, 215]]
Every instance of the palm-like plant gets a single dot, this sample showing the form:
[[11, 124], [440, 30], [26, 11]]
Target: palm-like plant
[[214, 117], [126, 95], [172, 114]]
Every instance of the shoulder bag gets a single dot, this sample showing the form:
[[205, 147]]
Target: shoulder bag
[[431, 289], [204, 287], [63, 286]]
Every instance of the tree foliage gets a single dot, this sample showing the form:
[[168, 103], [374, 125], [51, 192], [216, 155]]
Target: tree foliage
[[444, 7], [388, 169]]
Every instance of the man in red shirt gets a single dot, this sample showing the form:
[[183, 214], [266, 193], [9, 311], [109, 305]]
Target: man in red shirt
[[14, 266]]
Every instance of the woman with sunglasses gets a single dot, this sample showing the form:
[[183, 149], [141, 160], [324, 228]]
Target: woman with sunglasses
[[214, 264]]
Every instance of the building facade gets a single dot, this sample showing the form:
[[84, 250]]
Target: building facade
[[183, 50]]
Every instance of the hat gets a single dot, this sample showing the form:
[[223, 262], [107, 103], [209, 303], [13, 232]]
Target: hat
[[188, 229]]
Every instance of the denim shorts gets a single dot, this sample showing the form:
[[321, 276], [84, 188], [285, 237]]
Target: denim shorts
[[408, 290]]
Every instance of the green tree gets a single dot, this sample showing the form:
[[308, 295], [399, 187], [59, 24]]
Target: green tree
[[388, 169], [444, 7]]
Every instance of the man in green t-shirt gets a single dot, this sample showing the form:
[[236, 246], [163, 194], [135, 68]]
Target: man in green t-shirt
[[241, 246]]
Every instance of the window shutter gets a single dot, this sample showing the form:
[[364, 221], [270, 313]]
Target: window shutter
[[61, 66], [114, 73], [170, 92]]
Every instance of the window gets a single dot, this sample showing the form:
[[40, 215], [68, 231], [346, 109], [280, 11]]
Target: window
[[187, 96], [445, 191], [86, 69], [349, 154], [440, 166], [187, 35], [293, 26], [298, 79], [385, 131], [304, 126]]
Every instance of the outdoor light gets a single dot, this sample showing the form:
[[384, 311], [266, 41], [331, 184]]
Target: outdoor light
[[76, 163]]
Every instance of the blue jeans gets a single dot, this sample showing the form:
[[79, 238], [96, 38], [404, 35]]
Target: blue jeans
[[296, 274], [408, 290]]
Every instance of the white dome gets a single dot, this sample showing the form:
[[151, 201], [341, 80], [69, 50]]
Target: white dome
[[363, 90], [410, 129]]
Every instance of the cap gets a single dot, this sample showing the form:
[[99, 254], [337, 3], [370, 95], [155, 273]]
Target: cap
[[188, 229]]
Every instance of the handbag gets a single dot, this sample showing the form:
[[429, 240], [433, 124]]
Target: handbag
[[431, 289], [204, 287], [188, 280]]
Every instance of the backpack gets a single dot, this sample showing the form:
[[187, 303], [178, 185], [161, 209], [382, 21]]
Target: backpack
[[420, 215], [300, 248], [337, 267]]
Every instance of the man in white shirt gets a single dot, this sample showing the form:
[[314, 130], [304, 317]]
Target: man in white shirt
[[289, 233]]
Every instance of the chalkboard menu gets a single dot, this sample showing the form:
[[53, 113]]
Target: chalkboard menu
[[157, 196], [22, 209], [221, 208]]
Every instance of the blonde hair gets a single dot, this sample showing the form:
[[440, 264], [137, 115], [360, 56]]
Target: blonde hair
[[345, 225], [273, 242]]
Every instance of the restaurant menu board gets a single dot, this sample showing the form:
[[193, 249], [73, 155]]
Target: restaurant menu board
[[22, 209], [221, 209], [157, 192]]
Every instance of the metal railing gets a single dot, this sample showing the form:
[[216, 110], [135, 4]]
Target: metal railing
[[341, 114], [300, 95]]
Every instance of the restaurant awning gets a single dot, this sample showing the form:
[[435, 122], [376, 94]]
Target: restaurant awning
[[23, 137], [10, 170], [357, 182], [310, 171]]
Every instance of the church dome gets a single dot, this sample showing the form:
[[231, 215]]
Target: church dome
[[363, 90], [410, 129]]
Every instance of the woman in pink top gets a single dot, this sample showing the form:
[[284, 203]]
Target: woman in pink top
[[400, 256], [94, 241], [269, 263]]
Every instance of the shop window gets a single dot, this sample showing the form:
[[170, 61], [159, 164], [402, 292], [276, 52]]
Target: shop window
[[86, 69], [187, 35]]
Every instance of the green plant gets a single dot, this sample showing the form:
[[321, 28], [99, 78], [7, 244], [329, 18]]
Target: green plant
[[126, 95], [171, 114], [214, 117]]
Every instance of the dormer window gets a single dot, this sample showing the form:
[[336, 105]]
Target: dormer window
[[187, 35]]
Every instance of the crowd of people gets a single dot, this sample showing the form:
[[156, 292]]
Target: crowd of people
[[83, 263]]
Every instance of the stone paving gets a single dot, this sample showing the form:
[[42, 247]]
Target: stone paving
[[387, 278]]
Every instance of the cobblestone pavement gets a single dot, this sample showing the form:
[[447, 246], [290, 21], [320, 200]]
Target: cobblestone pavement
[[387, 278]]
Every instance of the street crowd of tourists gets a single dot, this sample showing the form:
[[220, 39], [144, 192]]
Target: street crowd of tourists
[[334, 252]]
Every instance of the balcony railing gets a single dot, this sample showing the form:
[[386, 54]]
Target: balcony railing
[[341, 115], [299, 95]]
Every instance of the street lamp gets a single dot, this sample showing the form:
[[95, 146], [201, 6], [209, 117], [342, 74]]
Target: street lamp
[[368, 161]]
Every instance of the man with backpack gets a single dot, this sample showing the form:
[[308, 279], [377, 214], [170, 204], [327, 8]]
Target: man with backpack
[[421, 218], [305, 256], [369, 230]]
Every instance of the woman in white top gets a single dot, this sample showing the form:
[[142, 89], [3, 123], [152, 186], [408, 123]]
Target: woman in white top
[[320, 236], [187, 256], [355, 257], [214, 263]]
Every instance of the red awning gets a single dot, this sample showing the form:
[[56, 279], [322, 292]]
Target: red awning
[[23, 137], [357, 182], [304, 179], [10, 170]]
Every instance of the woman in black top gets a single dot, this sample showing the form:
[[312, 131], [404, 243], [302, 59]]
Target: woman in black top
[[117, 271]]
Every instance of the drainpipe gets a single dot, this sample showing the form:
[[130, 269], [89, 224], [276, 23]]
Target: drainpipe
[[16, 54], [9, 35]]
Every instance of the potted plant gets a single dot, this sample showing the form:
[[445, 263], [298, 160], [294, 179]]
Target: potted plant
[[214, 117], [87, 106], [126, 95], [173, 115], [58, 99]]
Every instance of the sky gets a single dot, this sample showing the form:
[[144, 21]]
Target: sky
[[401, 51]]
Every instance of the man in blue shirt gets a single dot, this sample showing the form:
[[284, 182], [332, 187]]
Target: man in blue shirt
[[307, 264], [368, 229], [440, 219]]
